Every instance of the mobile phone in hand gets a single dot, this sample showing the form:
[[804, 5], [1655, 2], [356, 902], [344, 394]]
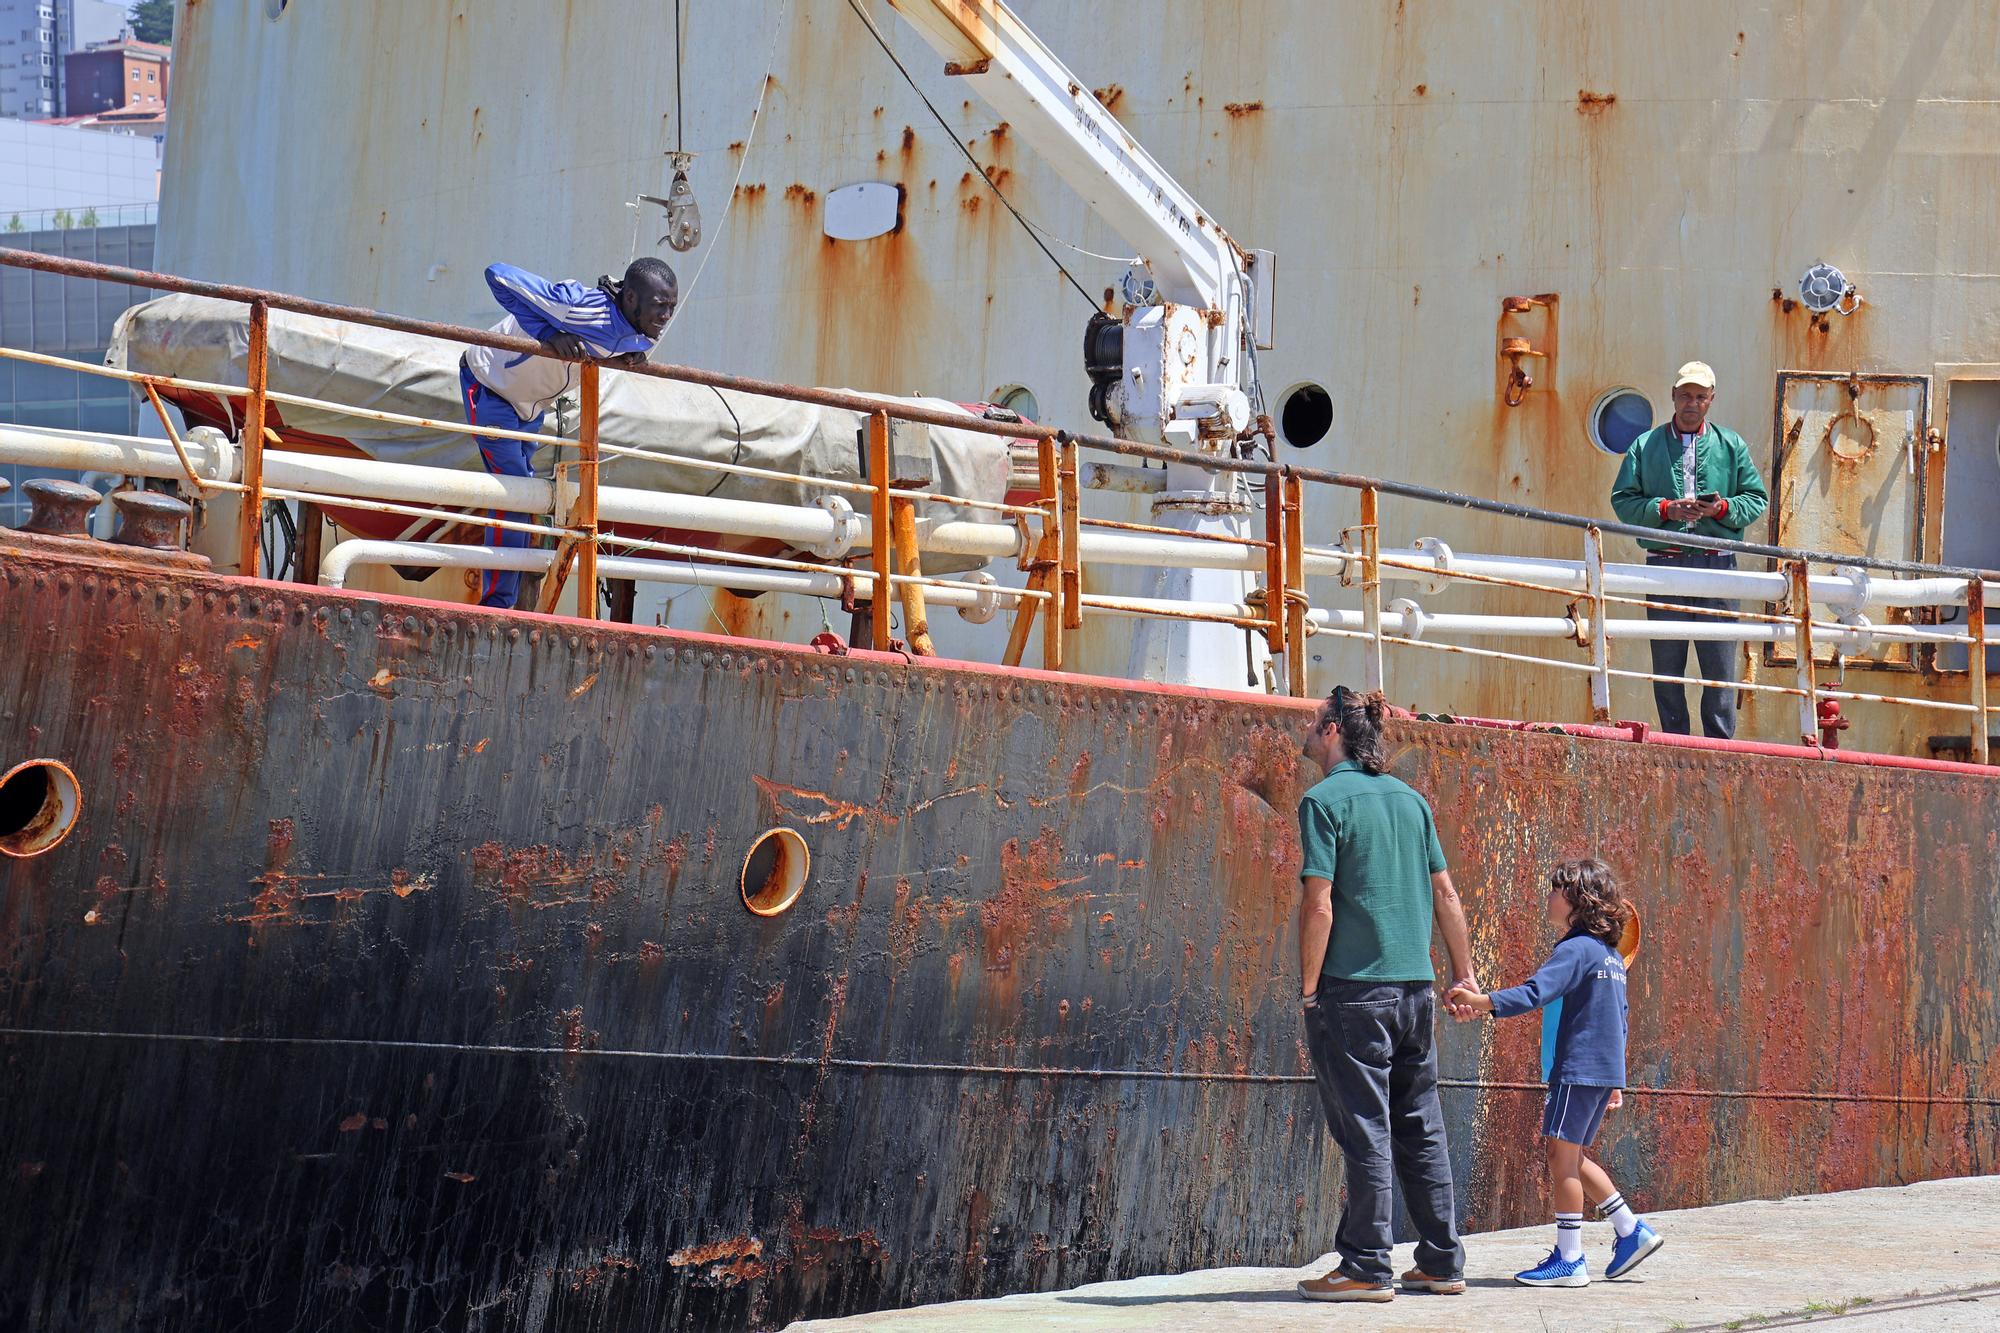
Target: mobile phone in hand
[[1708, 497]]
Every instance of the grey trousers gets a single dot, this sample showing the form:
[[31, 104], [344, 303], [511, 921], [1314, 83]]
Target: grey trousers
[[1374, 1056], [1715, 659]]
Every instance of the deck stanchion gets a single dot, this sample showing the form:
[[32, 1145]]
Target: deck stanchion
[[1801, 608], [909, 562], [1276, 578], [1371, 588], [1296, 602], [1071, 554], [1041, 566], [250, 519], [1600, 638], [312, 542], [881, 553], [585, 517], [1975, 662]]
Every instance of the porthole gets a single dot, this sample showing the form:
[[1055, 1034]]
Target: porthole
[[1305, 415], [39, 802], [774, 871], [1018, 399], [1618, 417]]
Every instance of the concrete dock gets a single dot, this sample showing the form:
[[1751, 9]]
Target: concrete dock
[[1921, 1257]]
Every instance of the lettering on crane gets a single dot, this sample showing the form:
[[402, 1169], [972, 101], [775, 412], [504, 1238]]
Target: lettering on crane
[[1087, 119]]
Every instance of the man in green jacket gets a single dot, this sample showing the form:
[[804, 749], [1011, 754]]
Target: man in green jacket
[[1690, 475]]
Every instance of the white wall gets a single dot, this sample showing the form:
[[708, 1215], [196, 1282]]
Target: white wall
[[60, 166]]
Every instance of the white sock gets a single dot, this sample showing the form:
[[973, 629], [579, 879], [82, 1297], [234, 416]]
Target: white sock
[[1615, 1211], [1569, 1236]]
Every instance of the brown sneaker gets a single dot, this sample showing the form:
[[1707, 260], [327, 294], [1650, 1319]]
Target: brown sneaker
[[1337, 1286], [1418, 1280]]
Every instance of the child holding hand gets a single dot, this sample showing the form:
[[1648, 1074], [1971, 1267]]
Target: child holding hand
[[1588, 1076]]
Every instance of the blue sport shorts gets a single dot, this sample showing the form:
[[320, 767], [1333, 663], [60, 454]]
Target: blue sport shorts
[[1574, 1112]]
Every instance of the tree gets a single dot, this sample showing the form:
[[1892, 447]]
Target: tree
[[153, 21], [15, 224], [62, 221], [89, 218]]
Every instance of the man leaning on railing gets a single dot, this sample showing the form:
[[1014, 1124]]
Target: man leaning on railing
[[614, 322], [1690, 475]]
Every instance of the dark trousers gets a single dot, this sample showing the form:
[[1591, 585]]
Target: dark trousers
[[1716, 659], [1374, 1057]]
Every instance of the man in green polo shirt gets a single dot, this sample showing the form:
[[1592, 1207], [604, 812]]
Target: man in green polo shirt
[[1690, 475], [1374, 881]]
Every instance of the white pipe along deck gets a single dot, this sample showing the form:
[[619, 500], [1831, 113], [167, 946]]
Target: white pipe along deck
[[829, 534]]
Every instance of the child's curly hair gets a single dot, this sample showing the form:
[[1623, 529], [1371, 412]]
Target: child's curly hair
[[1595, 906]]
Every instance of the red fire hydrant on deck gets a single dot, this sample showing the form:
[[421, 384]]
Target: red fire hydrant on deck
[[1831, 723]]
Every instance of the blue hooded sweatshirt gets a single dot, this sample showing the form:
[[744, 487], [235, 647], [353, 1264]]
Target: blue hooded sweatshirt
[[1589, 977]]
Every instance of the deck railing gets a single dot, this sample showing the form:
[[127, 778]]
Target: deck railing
[[1052, 540]]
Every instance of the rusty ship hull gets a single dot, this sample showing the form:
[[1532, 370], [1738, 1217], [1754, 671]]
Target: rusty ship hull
[[398, 971]]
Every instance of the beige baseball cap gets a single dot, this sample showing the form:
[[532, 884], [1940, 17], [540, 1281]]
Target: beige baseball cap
[[1695, 372]]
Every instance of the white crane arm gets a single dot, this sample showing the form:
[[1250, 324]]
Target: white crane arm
[[1194, 261]]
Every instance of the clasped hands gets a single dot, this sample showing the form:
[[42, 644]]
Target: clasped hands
[[1469, 985], [1688, 511]]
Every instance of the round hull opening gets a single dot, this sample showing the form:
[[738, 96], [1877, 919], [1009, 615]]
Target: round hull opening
[[774, 872], [40, 800]]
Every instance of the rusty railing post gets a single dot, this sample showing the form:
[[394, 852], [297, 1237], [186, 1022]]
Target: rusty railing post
[[1296, 631], [910, 564], [1071, 553], [1808, 687], [1600, 639], [1276, 577], [1042, 566], [312, 543], [1975, 661], [881, 554], [586, 498], [1371, 589], [250, 519]]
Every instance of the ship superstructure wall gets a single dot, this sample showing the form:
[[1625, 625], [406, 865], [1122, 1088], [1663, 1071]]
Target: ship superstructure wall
[[398, 970], [1411, 166]]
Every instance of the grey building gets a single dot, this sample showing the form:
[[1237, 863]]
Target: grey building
[[70, 318], [35, 35]]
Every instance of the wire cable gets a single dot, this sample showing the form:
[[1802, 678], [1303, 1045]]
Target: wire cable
[[1071, 245], [1032, 230], [742, 160]]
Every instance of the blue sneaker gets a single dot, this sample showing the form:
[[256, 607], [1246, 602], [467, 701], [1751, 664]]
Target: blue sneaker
[[1628, 1252], [1556, 1271]]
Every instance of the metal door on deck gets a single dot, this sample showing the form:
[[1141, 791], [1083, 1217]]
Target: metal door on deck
[[1848, 476], [1970, 535]]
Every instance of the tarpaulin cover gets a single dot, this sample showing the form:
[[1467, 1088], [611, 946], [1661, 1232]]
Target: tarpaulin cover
[[199, 338]]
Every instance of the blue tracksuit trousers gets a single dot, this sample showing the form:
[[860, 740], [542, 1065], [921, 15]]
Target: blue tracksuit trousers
[[505, 458]]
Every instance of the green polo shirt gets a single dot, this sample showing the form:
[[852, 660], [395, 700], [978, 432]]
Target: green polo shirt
[[1374, 839]]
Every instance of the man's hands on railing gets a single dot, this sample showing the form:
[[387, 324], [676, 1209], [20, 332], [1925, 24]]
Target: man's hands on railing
[[572, 348]]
